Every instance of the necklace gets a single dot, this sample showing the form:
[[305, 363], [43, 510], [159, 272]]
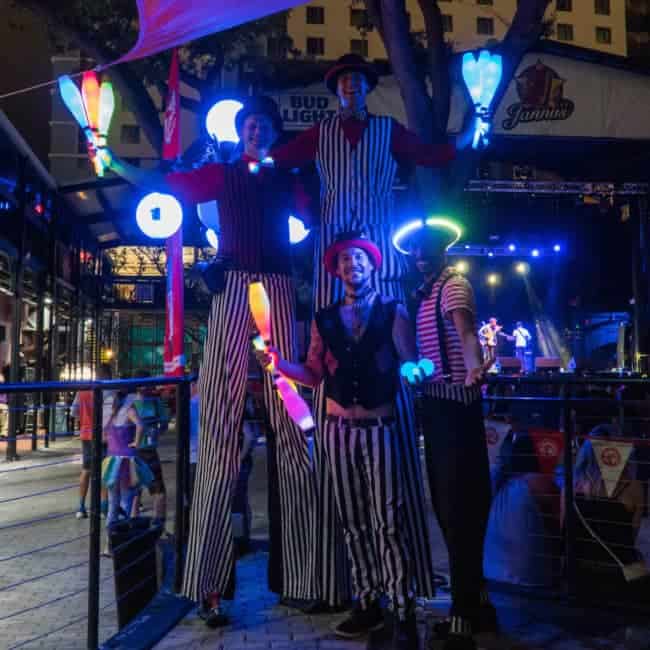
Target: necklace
[[359, 305]]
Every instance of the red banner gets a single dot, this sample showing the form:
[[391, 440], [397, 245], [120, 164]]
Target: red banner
[[549, 447], [168, 23], [174, 353]]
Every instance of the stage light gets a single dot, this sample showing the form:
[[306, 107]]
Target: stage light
[[535, 252], [462, 266], [490, 254], [159, 215], [213, 239], [557, 248], [297, 230], [467, 247], [220, 120], [493, 279], [521, 268], [512, 248]]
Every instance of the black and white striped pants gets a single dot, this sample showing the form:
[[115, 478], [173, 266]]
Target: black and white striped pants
[[222, 389], [368, 479]]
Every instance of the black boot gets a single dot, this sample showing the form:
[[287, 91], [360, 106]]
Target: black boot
[[360, 622], [405, 631]]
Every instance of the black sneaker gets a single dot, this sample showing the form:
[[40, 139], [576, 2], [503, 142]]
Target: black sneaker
[[405, 633], [213, 616], [487, 621], [361, 622], [460, 635]]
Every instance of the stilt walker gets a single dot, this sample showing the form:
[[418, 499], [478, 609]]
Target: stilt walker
[[357, 155], [254, 205]]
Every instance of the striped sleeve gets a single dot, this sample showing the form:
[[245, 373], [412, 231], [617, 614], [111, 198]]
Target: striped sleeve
[[457, 294]]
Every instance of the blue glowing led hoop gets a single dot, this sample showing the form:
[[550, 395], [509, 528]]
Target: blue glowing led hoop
[[220, 120], [297, 230], [159, 215], [213, 239]]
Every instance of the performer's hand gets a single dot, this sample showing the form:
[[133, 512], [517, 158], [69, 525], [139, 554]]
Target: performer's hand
[[268, 356]]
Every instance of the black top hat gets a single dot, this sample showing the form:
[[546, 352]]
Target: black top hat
[[350, 62], [259, 105]]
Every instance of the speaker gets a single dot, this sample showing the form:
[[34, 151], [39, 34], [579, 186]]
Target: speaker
[[510, 364], [548, 363]]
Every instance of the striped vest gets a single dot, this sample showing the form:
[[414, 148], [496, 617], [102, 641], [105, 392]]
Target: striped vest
[[356, 183]]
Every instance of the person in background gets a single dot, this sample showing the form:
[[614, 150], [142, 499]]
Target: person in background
[[454, 433], [82, 408], [123, 473], [488, 336], [522, 541], [522, 339], [152, 412]]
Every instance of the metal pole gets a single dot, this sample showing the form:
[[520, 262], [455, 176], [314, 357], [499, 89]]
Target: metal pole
[[92, 635], [40, 359], [182, 439], [569, 513]]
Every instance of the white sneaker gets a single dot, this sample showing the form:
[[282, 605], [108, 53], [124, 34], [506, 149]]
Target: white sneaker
[[81, 514]]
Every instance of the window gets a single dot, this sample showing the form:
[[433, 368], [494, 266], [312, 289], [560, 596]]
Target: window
[[565, 5], [447, 23], [130, 134], [359, 46], [316, 46], [604, 35], [276, 47], [359, 18], [315, 15], [601, 7], [485, 26], [484, 2], [564, 32]]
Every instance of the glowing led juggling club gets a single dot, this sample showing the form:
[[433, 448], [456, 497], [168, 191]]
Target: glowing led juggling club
[[74, 103], [90, 94], [106, 110], [482, 79], [158, 215], [296, 406], [415, 372], [260, 306], [213, 239]]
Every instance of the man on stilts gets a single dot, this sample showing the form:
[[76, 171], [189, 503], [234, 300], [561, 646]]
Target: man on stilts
[[255, 202], [357, 346], [454, 433], [357, 155]]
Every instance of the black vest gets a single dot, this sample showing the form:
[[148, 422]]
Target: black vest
[[368, 370]]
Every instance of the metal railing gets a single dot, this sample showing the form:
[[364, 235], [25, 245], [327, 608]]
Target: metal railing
[[570, 406], [95, 579]]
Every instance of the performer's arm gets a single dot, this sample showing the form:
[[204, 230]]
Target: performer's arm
[[299, 151], [135, 418], [311, 372], [195, 186], [403, 336]]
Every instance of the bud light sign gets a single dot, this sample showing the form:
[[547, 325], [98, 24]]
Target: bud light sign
[[301, 110]]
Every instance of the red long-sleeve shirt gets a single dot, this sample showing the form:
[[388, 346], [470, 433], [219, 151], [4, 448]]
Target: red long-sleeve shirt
[[405, 146]]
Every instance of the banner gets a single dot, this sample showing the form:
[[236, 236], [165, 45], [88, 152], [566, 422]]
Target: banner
[[165, 24], [612, 456], [495, 433], [549, 447], [174, 351]]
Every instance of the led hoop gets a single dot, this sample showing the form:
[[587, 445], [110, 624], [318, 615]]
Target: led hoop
[[417, 224]]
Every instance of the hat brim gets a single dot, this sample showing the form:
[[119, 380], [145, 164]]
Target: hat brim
[[331, 254], [333, 74]]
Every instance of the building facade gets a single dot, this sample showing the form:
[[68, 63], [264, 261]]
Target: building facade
[[327, 29]]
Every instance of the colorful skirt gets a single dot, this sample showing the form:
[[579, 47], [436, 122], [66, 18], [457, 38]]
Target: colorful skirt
[[133, 471]]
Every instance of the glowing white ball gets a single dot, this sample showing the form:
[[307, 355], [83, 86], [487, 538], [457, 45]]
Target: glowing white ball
[[297, 230], [159, 215], [213, 239], [220, 120]]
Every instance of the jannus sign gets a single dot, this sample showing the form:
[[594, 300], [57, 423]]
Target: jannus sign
[[541, 95]]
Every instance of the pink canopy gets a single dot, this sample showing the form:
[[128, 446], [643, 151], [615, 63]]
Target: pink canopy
[[167, 23]]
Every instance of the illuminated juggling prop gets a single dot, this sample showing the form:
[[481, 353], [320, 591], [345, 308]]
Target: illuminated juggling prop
[[421, 370], [297, 408], [482, 78], [92, 108], [297, 230], [158, 215]]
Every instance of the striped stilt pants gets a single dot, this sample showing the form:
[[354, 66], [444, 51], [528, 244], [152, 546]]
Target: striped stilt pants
[[332, 570], [222, 389], [368, 480]]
